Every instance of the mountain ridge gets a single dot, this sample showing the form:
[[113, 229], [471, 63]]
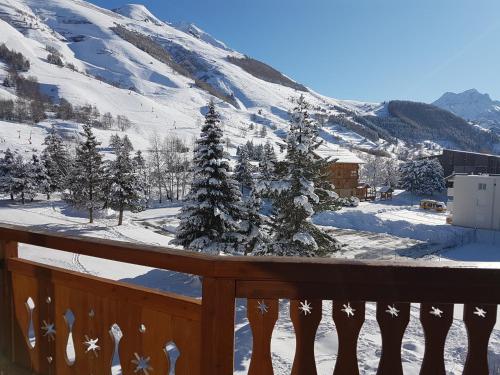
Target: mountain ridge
[[161, 76], [473, 106]]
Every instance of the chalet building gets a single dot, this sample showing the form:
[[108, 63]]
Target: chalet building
[[454, 161], [344, 171]]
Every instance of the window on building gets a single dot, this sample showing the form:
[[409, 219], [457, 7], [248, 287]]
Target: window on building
[[481, 186]]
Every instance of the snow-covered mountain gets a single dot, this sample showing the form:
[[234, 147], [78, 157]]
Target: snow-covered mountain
[[473, 106], [128, 62]]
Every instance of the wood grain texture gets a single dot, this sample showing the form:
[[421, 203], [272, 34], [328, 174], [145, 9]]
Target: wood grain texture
[[262, 315], [97, 305], [436, 329], [8, 249], [305, 316], [393, 318], [348, 328], [217, 324], [479, 321]]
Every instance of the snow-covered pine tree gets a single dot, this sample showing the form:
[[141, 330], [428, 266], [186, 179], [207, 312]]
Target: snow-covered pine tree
[[24, 183], [423, 177], [6, 173], [116, 143], [125, 191], [143, 175], [252, 225], [295, 196], [56, 161], [210, 217], [86, 179], [243, 169], [432, 176], [42, 179], [267, 164]]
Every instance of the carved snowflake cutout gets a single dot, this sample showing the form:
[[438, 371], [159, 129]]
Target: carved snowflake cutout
[[91, 345], [49, 330], [142, 364], [305, 307], [436, 312], [348, 310], [262, 307], [392, 311], [480, 312]]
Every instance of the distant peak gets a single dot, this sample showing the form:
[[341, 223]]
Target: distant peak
[[198, 33], [137, 12]]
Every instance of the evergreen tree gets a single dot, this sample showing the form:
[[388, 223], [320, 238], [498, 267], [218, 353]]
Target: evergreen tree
[[42, 180], [6, 173], [116, 143], [86, 179], [295, 194], [125, 192], [210, 218], [23, 180], [143, 175], [243, 169], [56, 161], [267, 165], [423, 177], [252, 225]]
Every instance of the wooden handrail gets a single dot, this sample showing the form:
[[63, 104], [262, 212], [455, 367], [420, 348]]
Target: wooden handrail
[[294, 277], [265, 280]]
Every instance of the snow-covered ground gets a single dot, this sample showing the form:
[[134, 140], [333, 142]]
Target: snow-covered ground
[[395, 219]]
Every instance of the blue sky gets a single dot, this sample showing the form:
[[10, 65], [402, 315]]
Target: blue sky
[[371, 50]]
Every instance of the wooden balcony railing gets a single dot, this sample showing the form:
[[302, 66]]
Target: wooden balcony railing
[[35, 299]]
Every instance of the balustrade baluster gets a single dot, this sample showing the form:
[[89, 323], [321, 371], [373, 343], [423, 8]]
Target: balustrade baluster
[[262, 315], [436, 321], [305, 316], [392, 319], [349, 318], [479, 321]]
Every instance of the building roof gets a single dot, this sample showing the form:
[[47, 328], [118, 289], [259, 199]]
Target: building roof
[[459, 152], [385, 189], [340, 154]]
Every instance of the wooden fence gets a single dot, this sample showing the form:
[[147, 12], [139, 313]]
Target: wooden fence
[[42, 307]]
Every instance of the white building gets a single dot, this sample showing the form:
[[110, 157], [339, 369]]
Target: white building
[[474, 201]]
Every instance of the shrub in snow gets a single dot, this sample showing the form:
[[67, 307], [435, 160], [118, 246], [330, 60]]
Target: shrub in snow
[[210, 218], [55, 59], [296, 195], [422, 177], [87, 176]]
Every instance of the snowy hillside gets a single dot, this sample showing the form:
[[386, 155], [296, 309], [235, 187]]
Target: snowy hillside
[[118, 77], [128, 62], [473, 106]]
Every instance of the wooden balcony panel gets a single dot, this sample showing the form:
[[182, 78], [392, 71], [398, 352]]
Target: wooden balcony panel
[[203, 330], [148, 320]]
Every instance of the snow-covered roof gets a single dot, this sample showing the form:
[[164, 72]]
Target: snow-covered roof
[[385, 189], [342, 155]]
